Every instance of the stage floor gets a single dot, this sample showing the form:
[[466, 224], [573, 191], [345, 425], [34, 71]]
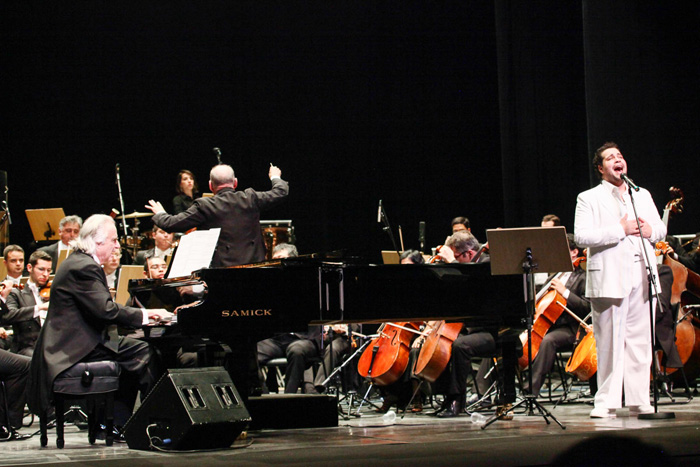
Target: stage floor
[[415, 440]]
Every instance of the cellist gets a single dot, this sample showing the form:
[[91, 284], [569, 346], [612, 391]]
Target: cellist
[[463, 247], [561, 335]]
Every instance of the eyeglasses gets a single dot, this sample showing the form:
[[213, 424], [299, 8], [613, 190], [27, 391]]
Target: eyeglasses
[[462, 253]]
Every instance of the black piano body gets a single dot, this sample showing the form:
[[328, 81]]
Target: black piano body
[[245, 305]]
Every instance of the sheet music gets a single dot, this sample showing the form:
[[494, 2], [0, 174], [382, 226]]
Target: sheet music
[[194, 252]]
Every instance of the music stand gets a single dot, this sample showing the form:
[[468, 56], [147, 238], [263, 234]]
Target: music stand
[[126, 272], [44, 223], [526, 251]]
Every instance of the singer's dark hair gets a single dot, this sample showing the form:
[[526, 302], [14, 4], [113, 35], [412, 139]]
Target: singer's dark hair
[[598, 156], [195, 187]]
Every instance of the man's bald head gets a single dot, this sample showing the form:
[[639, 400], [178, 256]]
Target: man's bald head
[[221, 176]]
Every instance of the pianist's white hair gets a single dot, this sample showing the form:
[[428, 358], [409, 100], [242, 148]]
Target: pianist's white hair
[[92, 233]]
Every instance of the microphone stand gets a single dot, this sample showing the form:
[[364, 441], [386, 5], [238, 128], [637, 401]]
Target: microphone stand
[[121, 201], [653, 294], [387, 228]]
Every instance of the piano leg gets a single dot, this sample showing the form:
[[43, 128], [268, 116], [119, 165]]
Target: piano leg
[[242, 365]]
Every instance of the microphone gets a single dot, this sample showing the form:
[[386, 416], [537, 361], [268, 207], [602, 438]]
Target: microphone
[[217, 153], [629, 182], [421, 235], [379, 212]]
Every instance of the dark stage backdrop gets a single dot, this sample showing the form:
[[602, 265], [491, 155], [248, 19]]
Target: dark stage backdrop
[[473, 108], [643, 92]]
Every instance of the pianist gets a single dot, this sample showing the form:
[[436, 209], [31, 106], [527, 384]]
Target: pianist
[[78, 324], [237, 213]]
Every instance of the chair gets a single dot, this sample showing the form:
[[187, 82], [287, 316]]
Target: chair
[[276, 364], [96, 383]]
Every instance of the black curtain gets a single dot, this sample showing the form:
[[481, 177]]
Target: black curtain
[[484, 109], [643, 92], [542, 108]]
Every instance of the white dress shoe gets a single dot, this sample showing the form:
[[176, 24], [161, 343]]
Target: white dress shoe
[[600, 412], [638, 409]]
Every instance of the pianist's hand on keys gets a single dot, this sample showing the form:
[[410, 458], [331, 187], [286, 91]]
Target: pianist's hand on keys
[[159, 315]]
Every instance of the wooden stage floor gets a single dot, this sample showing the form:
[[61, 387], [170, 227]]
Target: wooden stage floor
[[415, 440]]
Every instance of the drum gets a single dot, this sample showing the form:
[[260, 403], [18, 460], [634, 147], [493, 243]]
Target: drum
[[584, 361], [132, 242], [274, 235]]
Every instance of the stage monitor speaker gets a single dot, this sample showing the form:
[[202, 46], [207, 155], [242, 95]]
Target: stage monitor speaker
[[189, 409]]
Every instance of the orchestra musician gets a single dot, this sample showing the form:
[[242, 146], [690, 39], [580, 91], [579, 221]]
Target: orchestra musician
[[616, 282], [78, 326], [411, 257], [572, 287], [460, 223], [111, 269], [237, 213], [14, 371], [162, 248], [13, 258], [299, 348], [187, 190], [463, 247], [68, 230], [550, 220], [26, 309]]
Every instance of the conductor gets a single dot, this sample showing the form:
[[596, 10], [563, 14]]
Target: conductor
[[237, 213]]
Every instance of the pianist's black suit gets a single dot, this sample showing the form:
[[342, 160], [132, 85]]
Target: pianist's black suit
[[237, 213], [76, 329]]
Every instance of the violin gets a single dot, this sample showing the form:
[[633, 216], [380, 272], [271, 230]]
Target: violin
[[437, 258], [45, 292], [14, 286]]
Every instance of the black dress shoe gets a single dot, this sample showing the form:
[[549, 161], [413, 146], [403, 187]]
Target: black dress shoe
[[454, 408], [11, 435]]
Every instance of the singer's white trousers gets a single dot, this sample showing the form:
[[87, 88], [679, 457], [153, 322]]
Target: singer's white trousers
[[623, 343]]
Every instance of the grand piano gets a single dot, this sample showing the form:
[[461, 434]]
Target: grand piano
[[243, 305]]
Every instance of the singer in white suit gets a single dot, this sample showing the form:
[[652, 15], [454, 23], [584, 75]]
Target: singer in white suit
[[616, 282]]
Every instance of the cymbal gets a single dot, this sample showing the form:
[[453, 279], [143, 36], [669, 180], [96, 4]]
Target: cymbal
[[135, 214]]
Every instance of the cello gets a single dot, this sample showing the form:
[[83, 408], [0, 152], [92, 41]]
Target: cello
[[436, 350], [386, 357]]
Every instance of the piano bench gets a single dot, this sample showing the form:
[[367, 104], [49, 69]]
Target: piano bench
[[94, 382]]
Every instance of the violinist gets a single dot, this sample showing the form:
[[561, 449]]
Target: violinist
[[461, 247], [13, 257], [26, 309], [68, 230], [561, 335]]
